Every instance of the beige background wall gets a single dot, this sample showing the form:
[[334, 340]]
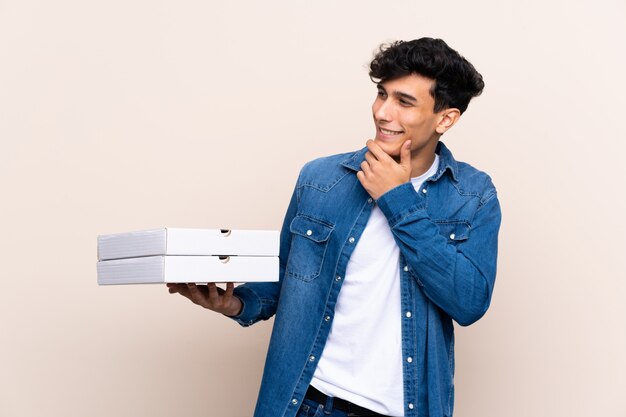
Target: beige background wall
[[126, 115]]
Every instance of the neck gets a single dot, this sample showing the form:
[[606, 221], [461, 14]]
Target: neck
[[421, 164]]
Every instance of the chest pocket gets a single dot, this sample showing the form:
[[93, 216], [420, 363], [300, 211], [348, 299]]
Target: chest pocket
[[455, 231], [309, 241]]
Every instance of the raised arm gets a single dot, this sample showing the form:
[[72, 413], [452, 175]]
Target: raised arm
[[458, 278]]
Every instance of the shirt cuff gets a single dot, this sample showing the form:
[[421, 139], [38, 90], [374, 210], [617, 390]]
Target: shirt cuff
[[251, 308], [400, 202]]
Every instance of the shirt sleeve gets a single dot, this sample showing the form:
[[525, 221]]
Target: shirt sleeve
[[457, 278]]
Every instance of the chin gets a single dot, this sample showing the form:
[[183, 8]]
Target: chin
[[391, 149]]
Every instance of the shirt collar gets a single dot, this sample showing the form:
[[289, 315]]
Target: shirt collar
[[446, 161]]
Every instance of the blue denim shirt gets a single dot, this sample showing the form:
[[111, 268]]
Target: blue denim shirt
[[447, 233]]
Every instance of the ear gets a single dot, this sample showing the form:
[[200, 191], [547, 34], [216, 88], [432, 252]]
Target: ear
[[447, 119]]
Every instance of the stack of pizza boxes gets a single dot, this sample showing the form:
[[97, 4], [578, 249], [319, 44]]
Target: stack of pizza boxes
[[188, 256]]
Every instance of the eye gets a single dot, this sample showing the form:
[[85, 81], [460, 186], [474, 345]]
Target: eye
[[382, 94], [405, 103]]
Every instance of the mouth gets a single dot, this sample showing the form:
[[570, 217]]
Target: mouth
[[388, 132]]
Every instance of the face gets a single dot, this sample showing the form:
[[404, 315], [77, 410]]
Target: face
[[403, 110]]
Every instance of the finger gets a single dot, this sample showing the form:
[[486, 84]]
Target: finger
[[230, 287], [377, 151], [365, 168], [405, 154], [213, 293], [182, 290], [370, 158], [174, 288], [360, 176], [195, 294]]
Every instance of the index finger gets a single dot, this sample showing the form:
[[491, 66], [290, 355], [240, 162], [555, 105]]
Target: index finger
[[376, 150]]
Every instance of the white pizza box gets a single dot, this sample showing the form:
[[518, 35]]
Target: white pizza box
[[183, 269], [179, 241]]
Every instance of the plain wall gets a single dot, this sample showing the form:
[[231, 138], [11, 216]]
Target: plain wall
[[135, 114]]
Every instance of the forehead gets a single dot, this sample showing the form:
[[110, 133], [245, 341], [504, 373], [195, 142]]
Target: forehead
[[415, 85]]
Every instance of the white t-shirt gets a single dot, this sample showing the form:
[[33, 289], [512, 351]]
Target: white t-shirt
[[362, 359]]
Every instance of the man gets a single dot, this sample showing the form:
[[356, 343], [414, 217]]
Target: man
[[381, 249]]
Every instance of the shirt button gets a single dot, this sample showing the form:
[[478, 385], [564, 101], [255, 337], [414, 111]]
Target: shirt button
[[311, 358], [452, 236], [369, 200], [294, 401], [351, 240], [408, 314], [406, 268], [337, 278], [410, 406], [409, 359], [424, 190], [309, 232], [327, 318]]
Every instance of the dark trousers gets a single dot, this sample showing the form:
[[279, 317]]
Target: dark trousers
[[316, 404]]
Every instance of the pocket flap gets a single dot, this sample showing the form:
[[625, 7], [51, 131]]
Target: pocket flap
[[454, 230], [310, 228]]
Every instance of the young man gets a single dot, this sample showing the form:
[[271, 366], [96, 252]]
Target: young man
[[381, 249]]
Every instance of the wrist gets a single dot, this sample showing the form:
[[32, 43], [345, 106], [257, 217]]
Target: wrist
[[236, 307]]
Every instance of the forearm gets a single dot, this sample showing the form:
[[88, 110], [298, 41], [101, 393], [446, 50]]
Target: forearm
[[456, 276]]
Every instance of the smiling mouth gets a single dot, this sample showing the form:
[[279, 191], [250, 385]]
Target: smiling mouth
[[389, 132]]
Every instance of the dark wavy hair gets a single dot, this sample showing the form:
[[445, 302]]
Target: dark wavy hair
[[456, 79]]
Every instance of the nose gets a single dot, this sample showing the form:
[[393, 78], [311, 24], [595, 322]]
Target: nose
[[382, 110]]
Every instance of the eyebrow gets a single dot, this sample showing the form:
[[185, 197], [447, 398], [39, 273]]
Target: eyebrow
[[404, 96], [399, 94]]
